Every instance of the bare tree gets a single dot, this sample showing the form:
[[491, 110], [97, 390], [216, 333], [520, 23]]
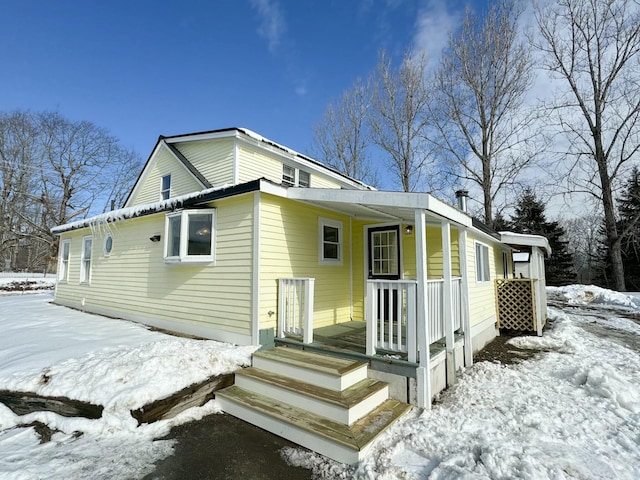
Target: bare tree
[[400, 120], [53, 171], [341, 136], [484, 131], [19, 166], [593, 47]]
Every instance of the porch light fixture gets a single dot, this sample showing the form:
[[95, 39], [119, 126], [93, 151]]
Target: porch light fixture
[[408, 229], [155, 238]]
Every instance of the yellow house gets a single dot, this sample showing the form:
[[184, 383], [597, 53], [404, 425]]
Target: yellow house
[[230, 236]]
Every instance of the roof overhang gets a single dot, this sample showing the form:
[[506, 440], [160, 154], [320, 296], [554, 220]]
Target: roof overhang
[[523, 239], [400, 206]]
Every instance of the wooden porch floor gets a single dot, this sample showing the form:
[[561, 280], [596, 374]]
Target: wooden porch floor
[[350, 338]]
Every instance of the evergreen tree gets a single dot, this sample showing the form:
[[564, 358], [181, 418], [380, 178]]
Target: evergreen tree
[[629, 228], [529, 218]]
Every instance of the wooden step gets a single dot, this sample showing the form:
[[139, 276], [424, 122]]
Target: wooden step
[[345, 407], [321, 370], [343, 443]]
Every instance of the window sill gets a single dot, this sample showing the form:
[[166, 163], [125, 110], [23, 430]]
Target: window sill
[[189, 262]]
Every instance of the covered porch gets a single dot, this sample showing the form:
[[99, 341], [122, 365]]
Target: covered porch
[[403, 319]]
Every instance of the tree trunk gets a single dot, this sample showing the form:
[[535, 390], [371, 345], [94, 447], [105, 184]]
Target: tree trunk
[[613, 240]]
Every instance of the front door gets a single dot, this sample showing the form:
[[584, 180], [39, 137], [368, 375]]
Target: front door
[[384, 252]]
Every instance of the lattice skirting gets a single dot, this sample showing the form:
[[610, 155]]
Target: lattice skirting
[[516, 304]]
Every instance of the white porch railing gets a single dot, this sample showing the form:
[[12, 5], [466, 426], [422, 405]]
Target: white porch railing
[[295, 307], [435, 307], [391, 314], [391, 317]]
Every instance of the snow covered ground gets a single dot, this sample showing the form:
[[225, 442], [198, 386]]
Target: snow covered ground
[[55, 351], [572, 412]]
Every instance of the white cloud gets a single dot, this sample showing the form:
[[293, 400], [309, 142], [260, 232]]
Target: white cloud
[[434, 23], [273, 25]]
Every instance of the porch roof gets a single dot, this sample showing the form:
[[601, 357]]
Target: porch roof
[[523, 239], [399, 206]]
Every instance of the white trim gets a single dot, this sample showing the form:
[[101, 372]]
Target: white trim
[[162, 189], [394, 200], [351, 268], [483, 280], [183, 257], [337, 224], [447, 297], [85, 276], [466, 312], [236, 163], [525, 239], [423, 372], [172, 325], [255, 272]]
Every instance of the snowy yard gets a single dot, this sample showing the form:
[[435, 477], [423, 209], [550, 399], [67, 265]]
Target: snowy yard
[[571, 412]]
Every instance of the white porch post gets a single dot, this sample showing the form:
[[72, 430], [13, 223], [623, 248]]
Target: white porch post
[[447, 297], [464, 273], [309, 293], [423, 373]]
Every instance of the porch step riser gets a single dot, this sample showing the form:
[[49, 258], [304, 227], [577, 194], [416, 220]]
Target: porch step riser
[[294, 434], [319, 379], [325, 409]]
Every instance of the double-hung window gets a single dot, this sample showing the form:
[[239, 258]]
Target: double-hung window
[[85, 262], [63, 270], [294, 177], [189, 237], [330, 241], [482, 263], [165, 187]]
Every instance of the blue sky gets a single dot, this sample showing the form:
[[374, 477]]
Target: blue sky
[[146, 68]]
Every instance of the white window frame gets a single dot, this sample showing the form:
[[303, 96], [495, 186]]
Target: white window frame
[[292, 178], [183, 257], [106, 251], [483, 265], [63, 270], [165, 193], [326, 222], [85, 262]]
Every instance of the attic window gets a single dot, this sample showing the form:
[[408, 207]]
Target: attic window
[[189, 237], [294, 177], [165, 187]]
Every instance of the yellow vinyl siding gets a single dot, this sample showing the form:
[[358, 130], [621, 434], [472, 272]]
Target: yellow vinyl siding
[[320, 181], [254, 164], [482, 303], [182, 181], [134, 279], [289, 248], [212, 158]]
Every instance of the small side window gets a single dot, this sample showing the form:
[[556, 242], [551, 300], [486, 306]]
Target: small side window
[[108, 245], [482, 263], [63, 269], [165, 187], [330, 241], [85, 265], [288, 176]]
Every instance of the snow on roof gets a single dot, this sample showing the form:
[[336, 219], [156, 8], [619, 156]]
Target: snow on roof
[[135, 211]]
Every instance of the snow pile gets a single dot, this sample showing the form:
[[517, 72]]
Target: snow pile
[[55, 351], [10, 284], [572, 412], [590, 294]]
